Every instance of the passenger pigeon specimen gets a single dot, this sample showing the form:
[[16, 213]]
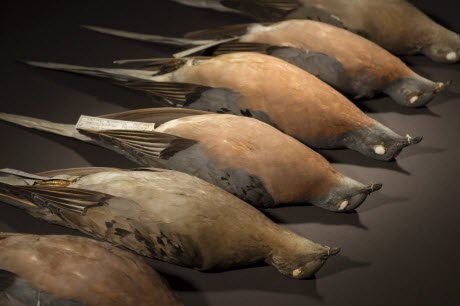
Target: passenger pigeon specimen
[[263, 87], [244, 156], [163, 214], [344, 60], [396, 25]]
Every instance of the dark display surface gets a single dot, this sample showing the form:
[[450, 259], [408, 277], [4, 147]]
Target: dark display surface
[[400, 248]]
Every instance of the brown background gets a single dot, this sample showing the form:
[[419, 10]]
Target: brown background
[[401, 248]]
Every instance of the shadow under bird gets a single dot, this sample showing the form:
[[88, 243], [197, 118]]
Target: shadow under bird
[[75, 271], [263, 87], [243, 156], [396, 25], [166, 215], [349, 63]]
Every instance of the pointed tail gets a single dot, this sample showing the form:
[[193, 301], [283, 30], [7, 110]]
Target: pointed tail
[[157, 39], [42, 198], [208, 4], [9, 181], [195, 51], [107, 73], [67, 130]]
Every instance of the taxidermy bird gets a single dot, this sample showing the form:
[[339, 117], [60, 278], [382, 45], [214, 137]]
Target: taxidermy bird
[[166, 215], [75, 271], [349, 63], [265, 88], [396, 25], [243, 156]]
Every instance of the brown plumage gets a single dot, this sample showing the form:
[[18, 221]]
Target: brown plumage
[[396, 25], [266, 88], [355, 53], [232, 143], [289, 98], [163, 214], [244, 156], [344, 60], [76, 271]]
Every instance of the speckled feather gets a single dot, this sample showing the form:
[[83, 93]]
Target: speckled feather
[[181, 219]]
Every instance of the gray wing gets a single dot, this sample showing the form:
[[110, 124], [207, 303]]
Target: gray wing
[[323, 66], [56, 198], [228, 47], [217, 100], [120, 221], [144, 147], [170, 93]]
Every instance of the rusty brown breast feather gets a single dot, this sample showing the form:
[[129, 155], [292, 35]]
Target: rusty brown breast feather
[[301, 175], [357, 54], [297, 102]]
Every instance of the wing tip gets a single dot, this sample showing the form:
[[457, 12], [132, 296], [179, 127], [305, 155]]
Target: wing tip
[[48, 65], [96, 28]]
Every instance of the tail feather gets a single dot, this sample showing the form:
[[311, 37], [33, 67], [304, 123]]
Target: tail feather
[[108, 73], [191, 52], [67, 130], [9, 196], [22, 174], [40, 202], [173, 41], [134, 60], [209, 4], [196, 49]]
